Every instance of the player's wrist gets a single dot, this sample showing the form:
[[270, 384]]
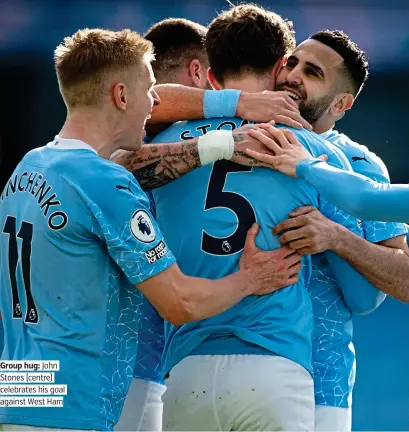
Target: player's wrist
[[338, 235], [220, 103], [304, 167], [245, 282], [243, 104], [215, 145]]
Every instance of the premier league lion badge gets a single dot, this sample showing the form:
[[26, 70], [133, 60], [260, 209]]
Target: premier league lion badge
[[142, 227]]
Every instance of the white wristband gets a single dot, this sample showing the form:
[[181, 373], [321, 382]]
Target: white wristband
[[215, 145]]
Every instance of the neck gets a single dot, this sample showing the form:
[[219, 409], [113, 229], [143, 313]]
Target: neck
[[169, 78], [93, 127], [180, 77], [323, 125], [250, 83]]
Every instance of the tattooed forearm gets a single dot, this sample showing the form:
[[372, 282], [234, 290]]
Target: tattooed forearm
[[146, 175], [157, 164]]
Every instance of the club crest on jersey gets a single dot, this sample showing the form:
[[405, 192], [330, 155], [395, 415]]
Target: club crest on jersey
[[142, 227]]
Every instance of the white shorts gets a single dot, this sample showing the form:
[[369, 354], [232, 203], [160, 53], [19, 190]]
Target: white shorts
[[333, 419], [238, 392], [143, 407]]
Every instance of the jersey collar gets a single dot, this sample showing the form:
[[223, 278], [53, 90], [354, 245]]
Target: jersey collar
[[327, 133], [69, 144]]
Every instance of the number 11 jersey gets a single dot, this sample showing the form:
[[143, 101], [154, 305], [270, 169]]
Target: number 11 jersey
[[76, 235]]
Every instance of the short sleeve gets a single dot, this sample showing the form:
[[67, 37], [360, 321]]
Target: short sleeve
[[122, 212], [376, 232], [339, 216]]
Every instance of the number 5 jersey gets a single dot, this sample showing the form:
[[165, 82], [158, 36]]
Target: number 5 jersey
[[205, 216]]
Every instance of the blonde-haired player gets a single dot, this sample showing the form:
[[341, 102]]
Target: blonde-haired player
[[76, 236]]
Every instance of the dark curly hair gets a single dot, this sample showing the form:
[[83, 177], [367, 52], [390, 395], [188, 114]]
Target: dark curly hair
[[247, 37]]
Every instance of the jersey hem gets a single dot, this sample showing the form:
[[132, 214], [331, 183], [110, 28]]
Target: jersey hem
[[399, 232], [331, 402], [155, 380], [137, 280], [217, 346]]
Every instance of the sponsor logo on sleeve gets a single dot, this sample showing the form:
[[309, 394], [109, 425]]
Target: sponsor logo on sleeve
[[155, 254], [125, 188]]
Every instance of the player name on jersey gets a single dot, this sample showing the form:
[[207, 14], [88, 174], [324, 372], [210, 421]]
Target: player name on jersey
[[228, 125], [33, 183]]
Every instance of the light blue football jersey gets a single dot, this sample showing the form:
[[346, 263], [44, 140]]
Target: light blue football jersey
[[205, 216], [151, 334], [333, 351], [151, 343], [76, 236], [370, 165]]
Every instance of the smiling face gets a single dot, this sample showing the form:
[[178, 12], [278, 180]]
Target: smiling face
[[311, 76]]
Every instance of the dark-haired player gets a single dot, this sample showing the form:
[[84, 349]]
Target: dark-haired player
[[324, 75], [331, 73], [180, 58], [248, 368]]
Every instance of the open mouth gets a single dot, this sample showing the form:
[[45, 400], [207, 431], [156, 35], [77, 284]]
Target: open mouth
[[293, 95]]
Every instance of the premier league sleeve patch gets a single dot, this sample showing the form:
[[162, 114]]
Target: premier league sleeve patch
[[142, 227], [122, 220]]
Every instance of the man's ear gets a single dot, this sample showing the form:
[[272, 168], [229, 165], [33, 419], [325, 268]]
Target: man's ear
[[198, 74], [119, 96], [341, 103]]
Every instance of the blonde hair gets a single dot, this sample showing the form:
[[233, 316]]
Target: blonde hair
[[85, 61]]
